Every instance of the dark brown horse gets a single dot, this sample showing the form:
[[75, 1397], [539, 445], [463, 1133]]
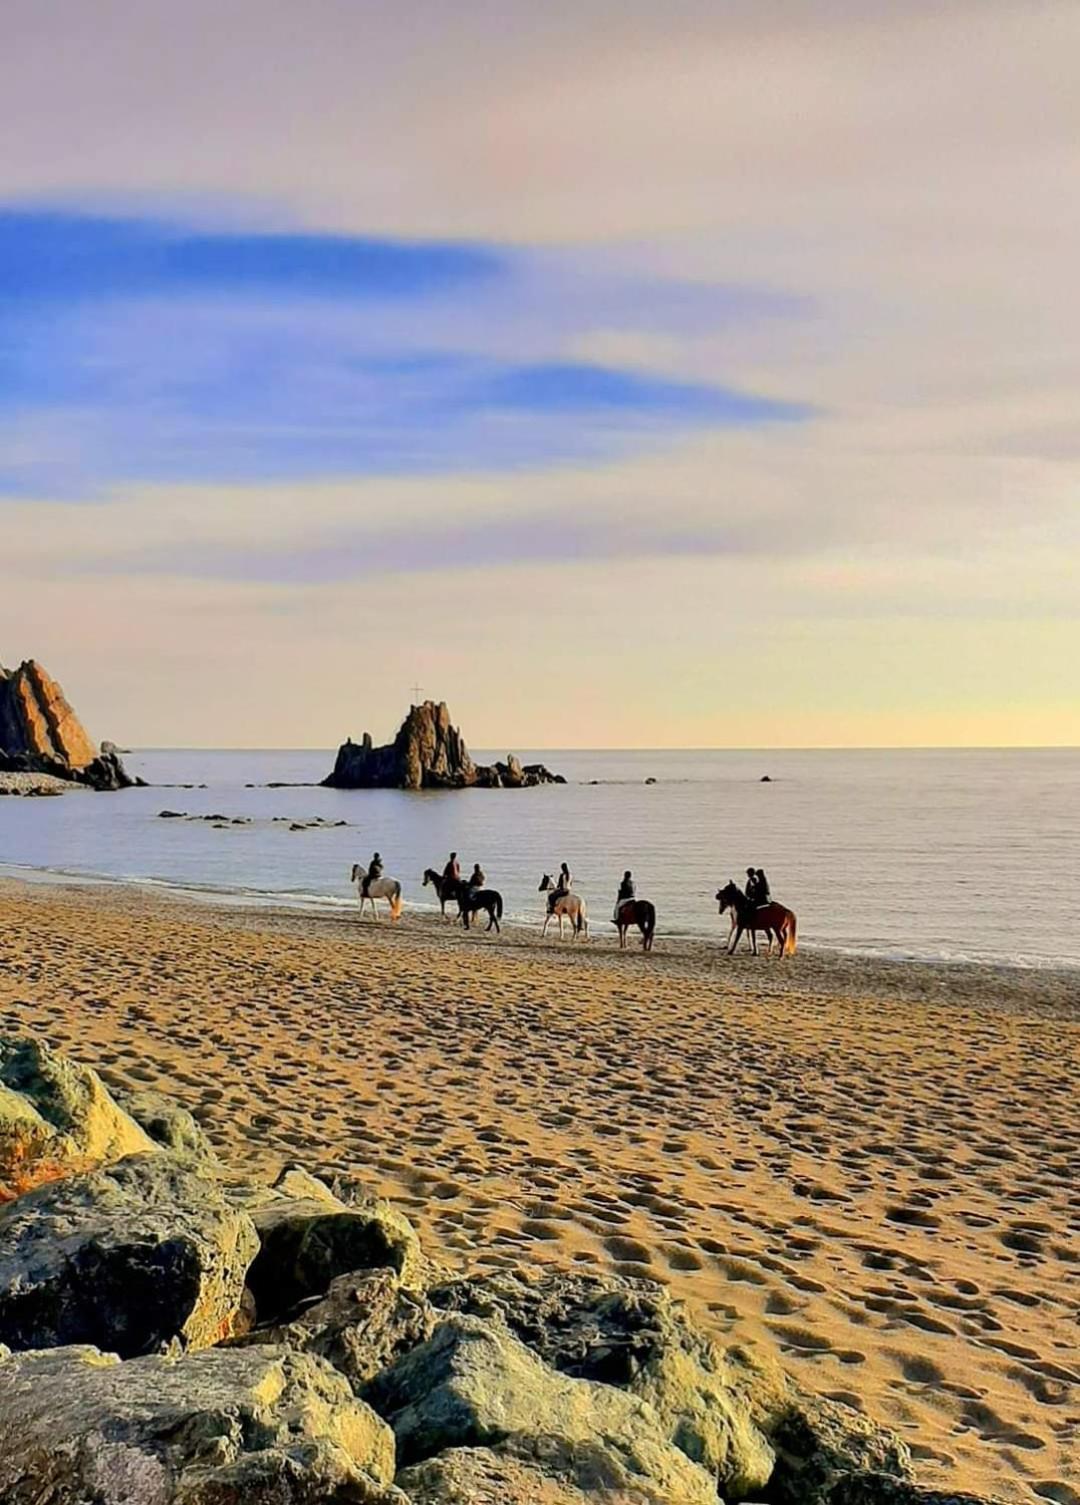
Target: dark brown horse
[[639, 912], [445, 888], [774, 919]]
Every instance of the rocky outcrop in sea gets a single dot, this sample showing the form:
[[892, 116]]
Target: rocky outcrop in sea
[[428, 753], [41, 737], [175, 1333]]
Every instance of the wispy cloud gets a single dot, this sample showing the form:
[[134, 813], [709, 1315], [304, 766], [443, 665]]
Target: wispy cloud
[[138, 349]]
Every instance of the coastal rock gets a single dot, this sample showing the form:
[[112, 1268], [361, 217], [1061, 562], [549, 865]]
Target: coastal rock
[[40, 733], [428, 752], [479, 1476], [128, 1258], [631, 1334], [817, 1441], [364, 1323], [474, 1385], [57, 1118], [308, 1237], [168, 1124], [222, 1427], [884, 1489]]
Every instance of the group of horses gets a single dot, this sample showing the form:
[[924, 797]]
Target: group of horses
[[747, 918]]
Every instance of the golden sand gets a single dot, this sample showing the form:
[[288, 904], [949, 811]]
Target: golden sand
[[871, 1168]]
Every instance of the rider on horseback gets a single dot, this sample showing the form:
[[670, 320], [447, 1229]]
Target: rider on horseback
[[374, 872], [626, 891], [563, 885], [477, 878], [757, 887], [451, 873]]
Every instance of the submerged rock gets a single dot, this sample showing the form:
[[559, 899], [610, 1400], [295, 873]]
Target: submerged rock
[[128, 1258], [474, 1385], [56, 1118], [631, 1334], [224, 1427]]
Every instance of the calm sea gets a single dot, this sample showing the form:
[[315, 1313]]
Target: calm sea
[[970, 855]]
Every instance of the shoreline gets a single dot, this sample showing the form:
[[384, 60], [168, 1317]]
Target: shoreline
[[1059, 975], [868, 1168]]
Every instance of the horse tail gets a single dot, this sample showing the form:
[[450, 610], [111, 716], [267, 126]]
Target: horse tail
[[789, 945], [498, 905], [395, 902], [581, 919], [650, 920]]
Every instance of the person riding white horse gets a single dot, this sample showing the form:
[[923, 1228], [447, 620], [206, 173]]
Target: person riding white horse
[[372, 885]]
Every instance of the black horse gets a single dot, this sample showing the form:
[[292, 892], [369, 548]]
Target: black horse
[[445, 888], [639, 912], [472, 900]]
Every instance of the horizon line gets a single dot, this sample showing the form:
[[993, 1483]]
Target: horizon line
[[739, 747]]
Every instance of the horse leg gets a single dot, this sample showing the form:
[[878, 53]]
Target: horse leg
[[753, 940], [733, 944]]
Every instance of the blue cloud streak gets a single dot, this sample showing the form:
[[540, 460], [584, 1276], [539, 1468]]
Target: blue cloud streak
[[141, 350]]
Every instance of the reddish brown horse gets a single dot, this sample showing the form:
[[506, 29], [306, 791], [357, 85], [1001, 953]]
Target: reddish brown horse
[[774, 919], [639, 912]]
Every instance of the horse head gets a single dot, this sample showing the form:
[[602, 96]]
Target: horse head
[[357, 872], [545, 884], [430, 876], [727, 895]]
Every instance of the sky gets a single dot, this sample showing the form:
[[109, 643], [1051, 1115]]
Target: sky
[[697, 374]]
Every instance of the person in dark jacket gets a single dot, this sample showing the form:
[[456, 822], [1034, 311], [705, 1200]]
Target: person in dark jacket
[[763, 895], [374, 872], [626, 891], [752, 885]]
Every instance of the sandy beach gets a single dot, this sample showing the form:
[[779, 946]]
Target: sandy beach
[[869, 1167]]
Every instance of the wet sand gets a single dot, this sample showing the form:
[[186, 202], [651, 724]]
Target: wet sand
[[871, 1167]]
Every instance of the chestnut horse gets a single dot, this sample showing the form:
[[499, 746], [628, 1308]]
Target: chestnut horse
[[639, 912], [773, 918]]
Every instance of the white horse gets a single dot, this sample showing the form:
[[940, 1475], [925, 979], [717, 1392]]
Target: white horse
[[568, 906], [382, 888]]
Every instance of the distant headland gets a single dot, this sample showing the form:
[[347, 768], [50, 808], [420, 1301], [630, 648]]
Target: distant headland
[[428, 753], [43, 744]]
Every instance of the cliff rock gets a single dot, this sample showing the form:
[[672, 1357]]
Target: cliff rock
[[40, 733], [427, 753]]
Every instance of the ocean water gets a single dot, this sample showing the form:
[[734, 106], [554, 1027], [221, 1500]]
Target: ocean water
[[951, 855]]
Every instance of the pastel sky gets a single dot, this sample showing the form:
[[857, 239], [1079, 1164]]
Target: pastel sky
[[695, 374]]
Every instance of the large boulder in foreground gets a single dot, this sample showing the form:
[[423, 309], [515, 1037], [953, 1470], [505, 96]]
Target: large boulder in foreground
[[480, 1476], [129, 1258], [40, 733], [474, 1385], [365, 1322], [631, 1334], [884, 1489], [170, 1126], [427, 753], [308, 1237], [224, 1427], [56, 1118], [817, 1441]]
